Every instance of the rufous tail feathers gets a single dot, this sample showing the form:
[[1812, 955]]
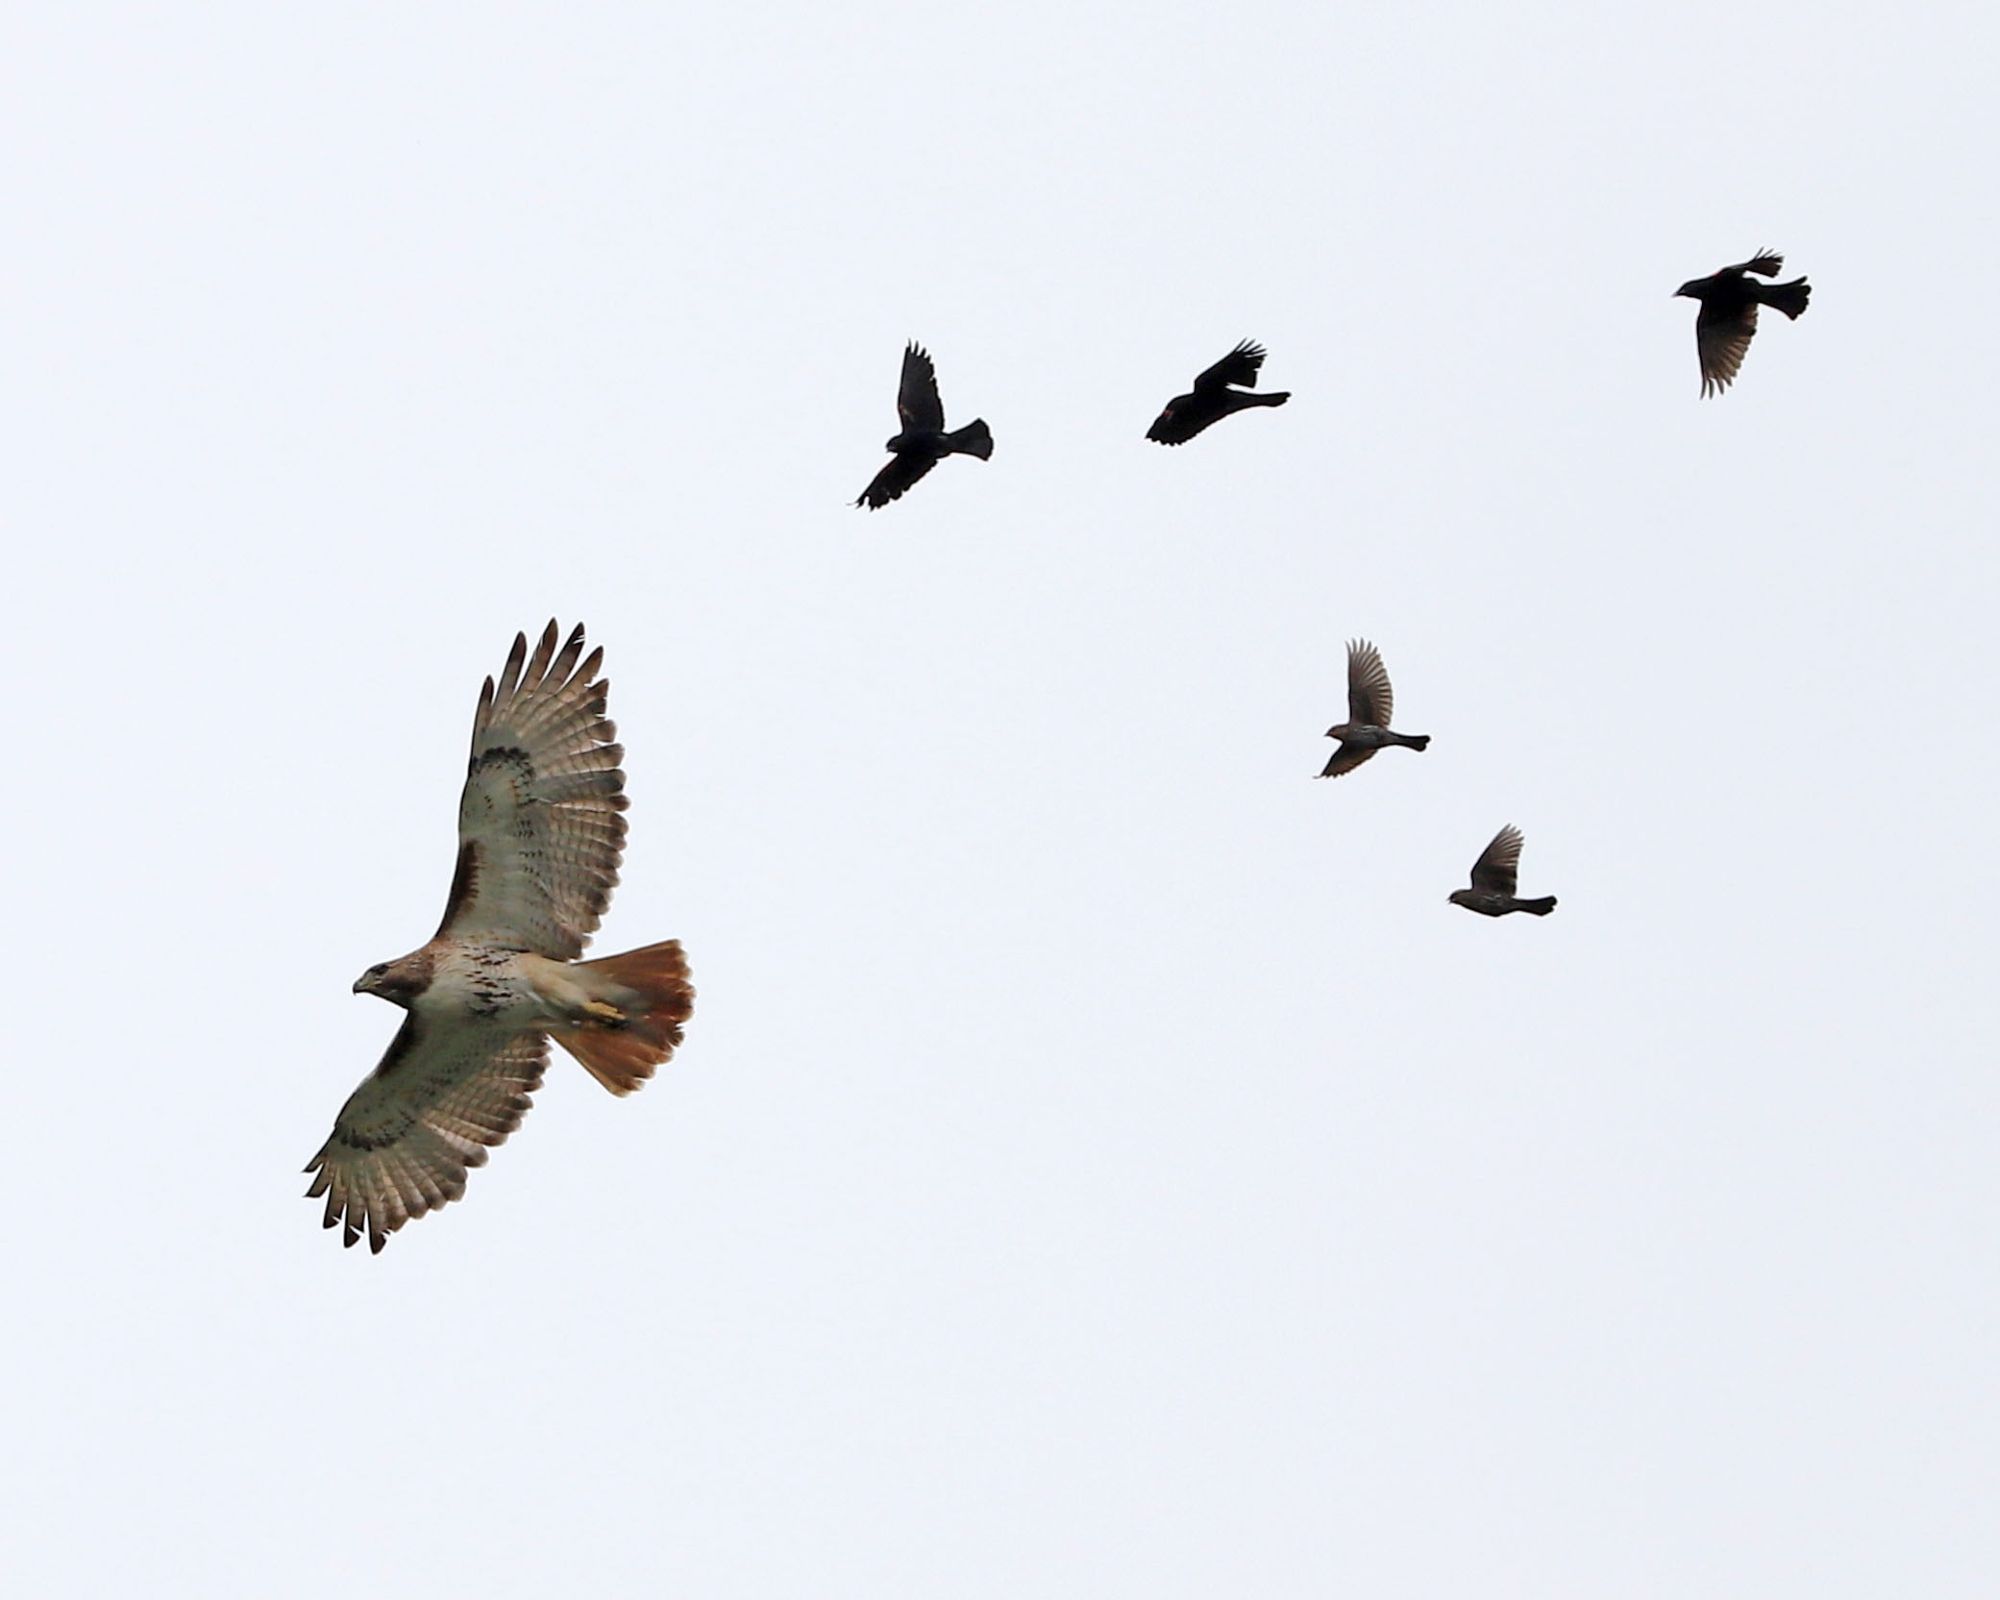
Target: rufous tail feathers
[[639, 1001]]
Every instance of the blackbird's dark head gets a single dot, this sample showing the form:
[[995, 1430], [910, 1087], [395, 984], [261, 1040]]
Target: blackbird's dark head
[[1692, 289]]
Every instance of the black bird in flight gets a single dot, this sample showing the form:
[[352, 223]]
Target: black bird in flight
[[1370, 704], [1494, 875], [922, 443], [1728, 317], [1212, 399]]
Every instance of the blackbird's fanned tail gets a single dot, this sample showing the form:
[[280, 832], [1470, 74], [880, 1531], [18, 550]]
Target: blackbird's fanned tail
[[974, 439], [1789, 298]]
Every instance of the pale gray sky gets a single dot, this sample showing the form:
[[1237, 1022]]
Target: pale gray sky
[[1101, 1162]]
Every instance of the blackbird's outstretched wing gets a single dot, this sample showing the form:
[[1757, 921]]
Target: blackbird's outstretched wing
[[902, 471], [1238, 367], [1499, 864], [1721, 335], [917, 401], [1346, 758], [1370, 700]]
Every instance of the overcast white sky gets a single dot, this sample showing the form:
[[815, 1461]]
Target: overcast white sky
[[1101, 1162]]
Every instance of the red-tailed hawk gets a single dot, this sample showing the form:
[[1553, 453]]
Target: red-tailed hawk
[[540, 830]]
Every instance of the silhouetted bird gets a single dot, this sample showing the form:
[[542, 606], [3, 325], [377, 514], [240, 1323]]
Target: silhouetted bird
[[1212, 399], [923, 443], [1493, 878], [1370, 703], [1728, 317]]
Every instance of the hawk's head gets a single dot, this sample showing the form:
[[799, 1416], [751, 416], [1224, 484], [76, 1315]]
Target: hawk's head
[[399, 982]]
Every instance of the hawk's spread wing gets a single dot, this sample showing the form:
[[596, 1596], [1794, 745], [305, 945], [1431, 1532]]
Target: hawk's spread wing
[[1720, 338], [1370, 700], [917, 401], [402, 1144], [1238, 367], [540, 824], [1499, 864]]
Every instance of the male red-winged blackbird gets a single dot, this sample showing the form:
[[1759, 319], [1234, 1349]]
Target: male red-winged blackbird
[[1728, 317], [1493, 879], [922, 443], [1370, 703], [1212, 399]]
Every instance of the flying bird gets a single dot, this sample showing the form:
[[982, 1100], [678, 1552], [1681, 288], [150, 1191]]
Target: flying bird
[[541, 829], [923, 442], [1493, 879], [1370, 703], [1212, 399], [1727, 320]]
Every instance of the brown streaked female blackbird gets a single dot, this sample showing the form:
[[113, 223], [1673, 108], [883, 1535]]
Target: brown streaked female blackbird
[[1212, 399], [1727, 320], [1370, 703], [923, 442], [1493, 879]]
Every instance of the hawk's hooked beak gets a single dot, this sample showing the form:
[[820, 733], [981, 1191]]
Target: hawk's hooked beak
[[365, 984]]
